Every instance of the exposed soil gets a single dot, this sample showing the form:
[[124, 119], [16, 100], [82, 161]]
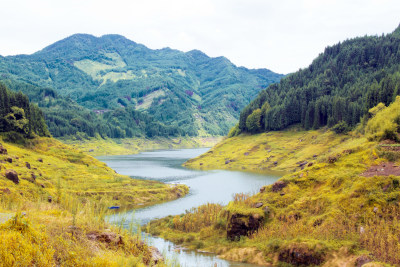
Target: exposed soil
[[383, 169]]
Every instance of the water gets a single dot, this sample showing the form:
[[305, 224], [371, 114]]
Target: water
[[217, 186]]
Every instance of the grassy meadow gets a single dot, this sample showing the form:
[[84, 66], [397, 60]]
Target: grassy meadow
[[58, 208]]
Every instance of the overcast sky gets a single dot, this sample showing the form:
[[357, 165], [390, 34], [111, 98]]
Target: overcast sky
[[281, 35]]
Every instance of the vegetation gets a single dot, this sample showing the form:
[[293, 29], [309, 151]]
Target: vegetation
[[326, 209], [54, 200], [67, 119], [338, 88], [185, 93]]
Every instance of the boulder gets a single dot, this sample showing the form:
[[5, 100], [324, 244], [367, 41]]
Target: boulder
[[9, 159], [12, 175], [302, 163], [28, 165], [301, 257], [258, 205], [243, 225], [156, 256], [360, 261], [278, 186], [3, 150]]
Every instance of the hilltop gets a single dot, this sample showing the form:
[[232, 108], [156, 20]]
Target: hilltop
[[190, 92]]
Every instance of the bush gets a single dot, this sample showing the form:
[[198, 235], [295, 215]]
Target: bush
[[341, 127]]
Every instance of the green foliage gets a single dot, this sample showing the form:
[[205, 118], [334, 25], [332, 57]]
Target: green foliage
[[385, 122], [253, 121], [341, 127], [189, 92], [234, 131], [341, 84], [19, 116]]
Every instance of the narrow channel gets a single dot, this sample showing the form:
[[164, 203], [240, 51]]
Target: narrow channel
[[217, 186]]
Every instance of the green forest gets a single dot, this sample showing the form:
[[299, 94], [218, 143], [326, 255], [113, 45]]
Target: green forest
[[65, 118], [141, 90], [18, 117], [336, 90]]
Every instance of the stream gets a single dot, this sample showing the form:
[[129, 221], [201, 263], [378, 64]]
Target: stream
[[216, 186]]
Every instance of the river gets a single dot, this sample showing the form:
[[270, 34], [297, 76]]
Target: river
[[217, 186]]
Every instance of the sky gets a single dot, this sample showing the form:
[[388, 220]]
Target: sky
[[281, 35]]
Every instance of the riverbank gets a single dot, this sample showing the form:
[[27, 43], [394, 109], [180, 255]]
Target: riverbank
[[58, 197], [338, 204], [127, 146]]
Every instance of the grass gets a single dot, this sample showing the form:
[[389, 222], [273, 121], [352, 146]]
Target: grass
[[59, 205], [99, 146], [326, 209]]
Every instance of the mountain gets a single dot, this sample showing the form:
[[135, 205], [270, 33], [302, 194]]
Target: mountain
[[337, 89], [191, 91]]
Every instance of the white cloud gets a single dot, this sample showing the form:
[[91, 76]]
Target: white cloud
[[280, 35]]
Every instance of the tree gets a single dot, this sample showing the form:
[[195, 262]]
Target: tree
[[253, 121]]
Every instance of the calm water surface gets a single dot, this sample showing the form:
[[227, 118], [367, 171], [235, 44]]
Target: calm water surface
[[205, 186]]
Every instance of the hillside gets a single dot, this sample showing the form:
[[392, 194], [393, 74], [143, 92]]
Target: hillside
[[189, 91], [334, 130], [338, 204], [338, 88], [54, 198]]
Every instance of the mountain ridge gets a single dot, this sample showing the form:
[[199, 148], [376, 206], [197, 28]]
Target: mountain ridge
[[188, 90]]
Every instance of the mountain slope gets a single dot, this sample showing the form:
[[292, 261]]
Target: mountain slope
[[340, 86], [192, 91]]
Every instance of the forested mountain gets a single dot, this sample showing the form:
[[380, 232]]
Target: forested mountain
[[187, 91], [337, 89], [66, 118], [19, 117]]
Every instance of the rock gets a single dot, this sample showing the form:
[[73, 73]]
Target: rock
[[201, 163], [227, 161], [282, 194], [28, 165], [42, 186], [310, 164], [269, 150], [156, 256], [40, 160], [246, 153], [375, 210], [360, 261], [3, 150], [332, 159], [278, 186], [9, 159], [302, 163], [301, 257], [275, 163], [12, 175], [262, 189], [258, 205], [301, 175], [315, 155], [91, 150], [33, 176], [243, 225], [49, 199]]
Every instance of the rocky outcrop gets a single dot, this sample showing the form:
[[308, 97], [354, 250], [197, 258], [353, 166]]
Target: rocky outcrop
[[243, 225], [301, 257], [278, 186], [13, 176], [3, 150], [156, 256]]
